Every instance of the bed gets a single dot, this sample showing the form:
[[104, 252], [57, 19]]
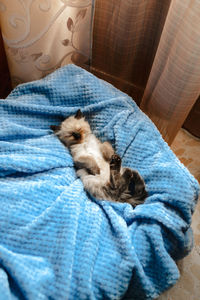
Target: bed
[[56, 241]]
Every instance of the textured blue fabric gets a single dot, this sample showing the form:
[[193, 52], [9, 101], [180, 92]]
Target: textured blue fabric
[[58, 243]]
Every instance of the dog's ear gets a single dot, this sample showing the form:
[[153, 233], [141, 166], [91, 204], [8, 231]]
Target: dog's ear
[[55, 128], [79, 114]]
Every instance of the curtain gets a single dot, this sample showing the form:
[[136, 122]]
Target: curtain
[[151, 50], [43, 35]]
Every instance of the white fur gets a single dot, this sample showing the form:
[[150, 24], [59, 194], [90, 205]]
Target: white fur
[[92, 183], [89, 145]]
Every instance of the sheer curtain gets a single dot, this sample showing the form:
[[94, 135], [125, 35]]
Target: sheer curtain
[[151, 50], [43, 35]]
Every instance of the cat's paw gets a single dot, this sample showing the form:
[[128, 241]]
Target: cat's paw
[[127, 174], [137, 186], [115, 162], [95, 170]]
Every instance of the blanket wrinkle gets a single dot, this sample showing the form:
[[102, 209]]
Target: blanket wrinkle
[[56, 241], [27, 261], [149, 283]]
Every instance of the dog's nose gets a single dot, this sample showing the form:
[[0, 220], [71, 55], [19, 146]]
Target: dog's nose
[[76, 135]]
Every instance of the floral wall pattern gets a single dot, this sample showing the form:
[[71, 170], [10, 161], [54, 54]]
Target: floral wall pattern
[[43, 35]]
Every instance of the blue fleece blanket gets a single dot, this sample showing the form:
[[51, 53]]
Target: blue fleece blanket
[[56, 242]]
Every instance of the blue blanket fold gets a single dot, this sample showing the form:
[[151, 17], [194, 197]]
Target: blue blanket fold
[[56, 242]]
